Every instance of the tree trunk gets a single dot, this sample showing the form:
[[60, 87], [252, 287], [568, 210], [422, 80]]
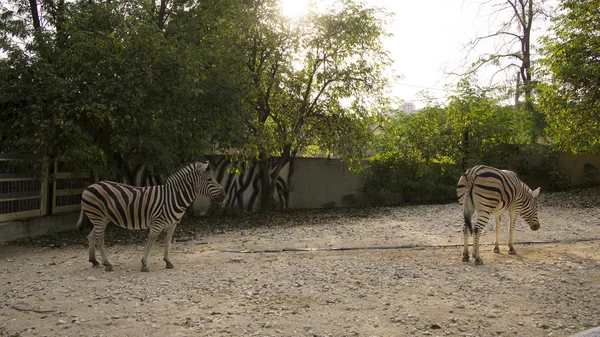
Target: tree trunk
[[465, 149], [162, 14], [517, 90], [35, 17], [526, 49], [269, 176], [289, 181], [266, 194]]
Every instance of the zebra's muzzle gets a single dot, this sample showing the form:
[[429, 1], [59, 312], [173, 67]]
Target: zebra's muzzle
[[219, 198], [535, 227]]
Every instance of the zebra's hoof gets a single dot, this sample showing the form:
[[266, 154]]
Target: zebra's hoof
[[95, 264], [145, 269], [170, 265], [478, 261], [512, 251], [496, 250], [108, 267], [465, 259]]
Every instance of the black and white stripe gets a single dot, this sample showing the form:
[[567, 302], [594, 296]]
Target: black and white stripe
[[156, 208], [488, 191]]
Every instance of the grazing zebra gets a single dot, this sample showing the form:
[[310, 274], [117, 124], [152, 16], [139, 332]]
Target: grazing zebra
[[155, 207], [492, 191]]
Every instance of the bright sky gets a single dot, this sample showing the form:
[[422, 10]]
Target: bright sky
[[429, 36]]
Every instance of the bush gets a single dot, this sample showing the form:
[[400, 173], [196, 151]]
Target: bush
[[590, 175], [409, 181]]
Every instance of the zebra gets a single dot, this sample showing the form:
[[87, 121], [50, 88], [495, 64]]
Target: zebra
[[493, 191], [157, 208]]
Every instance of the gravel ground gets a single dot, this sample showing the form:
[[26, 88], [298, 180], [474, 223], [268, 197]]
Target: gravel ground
[[255, 275]]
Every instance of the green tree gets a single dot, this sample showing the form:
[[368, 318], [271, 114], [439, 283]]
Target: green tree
[[479, 124], [313, 84], [571, 97], [514, 51], [116, 85], [411, 157], [420, 156]]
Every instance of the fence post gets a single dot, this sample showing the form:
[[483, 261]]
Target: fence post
[[44, 188]]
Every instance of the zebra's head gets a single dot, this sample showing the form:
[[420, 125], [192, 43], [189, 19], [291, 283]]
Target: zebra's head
[[207, 185], [529, 212]]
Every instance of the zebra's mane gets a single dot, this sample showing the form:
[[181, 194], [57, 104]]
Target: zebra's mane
[[186, 170]]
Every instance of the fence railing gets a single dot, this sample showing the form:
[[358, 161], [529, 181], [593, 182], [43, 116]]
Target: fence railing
[[67, 189], [23, 187], [29, 189]]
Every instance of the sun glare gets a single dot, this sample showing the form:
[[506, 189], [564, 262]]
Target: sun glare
[[293, 8]]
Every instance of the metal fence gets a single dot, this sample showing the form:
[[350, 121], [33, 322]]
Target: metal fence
[[29, 187], [67, 188], [23, 187]]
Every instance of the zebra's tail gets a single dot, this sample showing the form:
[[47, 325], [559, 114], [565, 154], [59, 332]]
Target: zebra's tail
[[468, 223], [468, 204], [80, 221]]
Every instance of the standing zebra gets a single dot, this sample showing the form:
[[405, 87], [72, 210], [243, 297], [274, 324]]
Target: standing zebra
[[492, 191], [155, 207]]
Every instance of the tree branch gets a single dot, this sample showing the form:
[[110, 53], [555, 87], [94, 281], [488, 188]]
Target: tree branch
[[39, 311]]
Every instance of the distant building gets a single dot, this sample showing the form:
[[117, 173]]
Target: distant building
[[408, 107]]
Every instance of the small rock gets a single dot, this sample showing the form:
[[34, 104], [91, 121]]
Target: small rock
[[492, 314], [543, 325]]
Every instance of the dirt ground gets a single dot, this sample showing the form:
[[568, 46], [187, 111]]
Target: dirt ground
[[399, 274]]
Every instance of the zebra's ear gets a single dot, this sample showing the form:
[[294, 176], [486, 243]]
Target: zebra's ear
[[535, 192], [203, 166]]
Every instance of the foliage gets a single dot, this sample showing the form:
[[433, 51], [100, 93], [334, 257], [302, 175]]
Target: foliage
[[420, 156], [312, 84], [479, 123], [571, 98], [103, 86], [408, 180], [110, 86], [52, 235], [514, 52], [411, 161], [591, 175]]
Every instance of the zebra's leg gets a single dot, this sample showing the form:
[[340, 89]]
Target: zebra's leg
[[467, 229], [99, 233], [168, 237], [466, 244], [482, 220], [498, 228], [92, 249], [511, 232], [152, 235]]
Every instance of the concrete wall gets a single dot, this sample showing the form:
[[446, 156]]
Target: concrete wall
[[13, 230], [573, 166], [242, 186], [314, 183], [320, 182]]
